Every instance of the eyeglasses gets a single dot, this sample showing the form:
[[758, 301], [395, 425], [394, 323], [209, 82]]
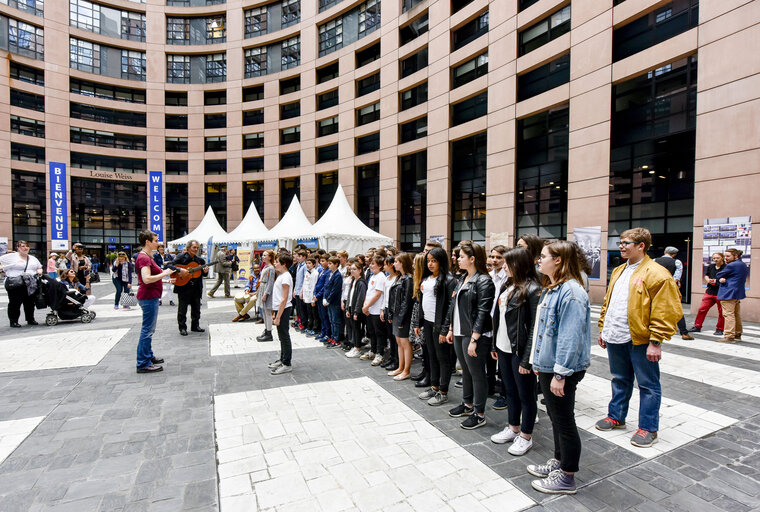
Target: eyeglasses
[[622, 243]]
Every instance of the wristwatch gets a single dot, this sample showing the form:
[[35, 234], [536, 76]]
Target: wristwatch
[[655, 343], [559, 377]]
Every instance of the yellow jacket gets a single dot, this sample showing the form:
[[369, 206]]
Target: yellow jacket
[[654, 302]]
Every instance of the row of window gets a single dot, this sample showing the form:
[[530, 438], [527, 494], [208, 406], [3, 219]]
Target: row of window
[[358, 23], [108, 21]]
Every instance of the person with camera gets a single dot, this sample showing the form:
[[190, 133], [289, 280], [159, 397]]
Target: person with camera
[[79, 262], [20, 268]]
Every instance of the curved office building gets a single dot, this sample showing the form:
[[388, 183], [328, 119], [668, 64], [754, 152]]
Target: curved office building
[[449, 118]]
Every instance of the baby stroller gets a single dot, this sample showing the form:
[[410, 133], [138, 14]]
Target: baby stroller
[[64, 304]]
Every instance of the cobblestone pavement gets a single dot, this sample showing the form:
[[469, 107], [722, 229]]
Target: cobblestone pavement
[[81, 431]]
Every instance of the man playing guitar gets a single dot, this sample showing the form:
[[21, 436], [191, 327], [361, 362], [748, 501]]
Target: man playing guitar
[[190, 294]]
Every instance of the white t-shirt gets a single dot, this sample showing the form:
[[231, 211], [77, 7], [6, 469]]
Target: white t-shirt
[[616, 328], [277, 293], [457, 323], [503, 342], [389, 282], [427, 287], [376, 283], [14, 265]]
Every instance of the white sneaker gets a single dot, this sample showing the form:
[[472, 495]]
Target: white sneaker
[[354, 352], [377, 360], [505, 436], [520, 446], [367, 356], [283, 368], [275, 364]]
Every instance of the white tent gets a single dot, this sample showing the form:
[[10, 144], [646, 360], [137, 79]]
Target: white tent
[[208, 227], [340, 229], [292, 225], [249, 229]]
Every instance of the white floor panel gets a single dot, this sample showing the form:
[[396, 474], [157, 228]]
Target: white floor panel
[[107, 311], [13, 433], [60, 350], [240, 338], [344, 445]]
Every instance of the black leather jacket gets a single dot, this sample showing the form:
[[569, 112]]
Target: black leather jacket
[[521, 318], [400, 301], [357, 301], [475, 303], [442, 301]]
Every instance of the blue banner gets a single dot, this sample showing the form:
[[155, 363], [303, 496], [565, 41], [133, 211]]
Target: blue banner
[[59, 229], [156, 203], [311, 243], [266, 245]]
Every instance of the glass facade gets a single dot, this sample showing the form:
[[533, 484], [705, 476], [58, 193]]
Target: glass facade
[[29, 214], [253, 191], [368, 195], [216, 198], [327, 184], [413, 202], [289, 188], [468, 189], [175, 211], [107, 212]]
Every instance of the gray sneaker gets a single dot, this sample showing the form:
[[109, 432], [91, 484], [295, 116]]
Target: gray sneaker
[[543, 470], [643, 438], [438, 399], [274, 364], [558, 482], [283, 368], [427, 394]]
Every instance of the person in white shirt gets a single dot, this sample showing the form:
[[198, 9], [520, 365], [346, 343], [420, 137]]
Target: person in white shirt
[[282, 306], [499, 277], [307, 295], [19, 267], [373, 304]]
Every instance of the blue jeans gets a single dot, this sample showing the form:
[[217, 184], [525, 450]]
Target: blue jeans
[[323, 319], [119, 289], [626, 362], [150, 317], [336, 323]]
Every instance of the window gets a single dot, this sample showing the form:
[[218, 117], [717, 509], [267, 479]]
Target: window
[[327, 184], [176, 167], [327, 73], [368, 143], [216, 67], [367, 114], [27, 100], [132, 65], [413, 184], [175, 121], [367, 55], [327, 99], [291, 52], [216, 30], [255, 61], [104, 91], [413, 130], [469, 71], [368, 195], [524, 4], [290, 110], [253, 117], [108, 163], [27, 74], [132, 26], [175, 214], [28, 209], [178, 69], [215, 98], [290, 160], [414, 63], [84, 15], [369, 17], [408, 4], [253, 140], [469, 109], [414, 96], [253, 192], [212, 167], [30, 127], [35, 7], [253, 93], [325, 4], [470, 31], [458, 5], [468, 189], [107, 139], [546, 30], [330, 36], [290, 85], [25, 39], [178, 30], [216, 198], [290, 135], [175, 144], [211, 121], [413, 30], [106, 115], [255, 21], [327, 126], [291, 12], [368, 84], [327, 153], [215, 144], [253, 164], [289, 188], [178, 99], [26, 153], [84, 56], [544, 78]]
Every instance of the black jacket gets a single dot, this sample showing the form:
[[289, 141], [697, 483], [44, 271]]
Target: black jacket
[[194, 287], [359, 286], [475, 303], [400, 301], [521, 318], [444, 290]]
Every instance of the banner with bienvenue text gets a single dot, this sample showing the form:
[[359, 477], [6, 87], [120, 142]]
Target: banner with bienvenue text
[[59, 229], [156, 203]]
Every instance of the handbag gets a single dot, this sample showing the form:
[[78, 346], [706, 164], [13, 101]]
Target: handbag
[[16, 282], [128, 299]]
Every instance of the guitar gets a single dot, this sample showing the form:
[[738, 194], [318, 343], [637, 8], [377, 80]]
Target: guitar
[[192, 268]]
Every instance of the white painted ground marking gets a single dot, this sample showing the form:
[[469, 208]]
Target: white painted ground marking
[[13, 433], [240, 338]]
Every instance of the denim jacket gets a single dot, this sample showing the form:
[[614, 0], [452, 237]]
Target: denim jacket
[[563, 332]]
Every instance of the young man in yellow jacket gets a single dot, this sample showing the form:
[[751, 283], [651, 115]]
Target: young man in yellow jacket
[[640, 311]]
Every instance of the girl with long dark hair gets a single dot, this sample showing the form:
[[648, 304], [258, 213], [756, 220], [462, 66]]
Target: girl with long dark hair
[[401, 295], [422, 379], [386, 315]]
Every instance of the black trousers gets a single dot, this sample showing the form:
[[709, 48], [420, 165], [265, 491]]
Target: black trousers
[[682, 329], [376, 333], [283, 332], [474, 382], [520, 392], [391, 340], [440, 359], [18, 297], [567, 442], [195, 311]]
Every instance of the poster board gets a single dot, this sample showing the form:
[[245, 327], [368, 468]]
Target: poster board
[[244, 270], [589, 239], [724, 233]]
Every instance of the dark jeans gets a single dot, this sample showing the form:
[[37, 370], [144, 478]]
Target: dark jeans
[[567, 442], [357, 333], [474, 383], [626, 362], [149, 319], [283, 332], [391, 340], [313, 317], [440, 359], [520, 392], [491, 373], [195, 311], [18, 297], [324, 320], [682, 329], [121, 287], [376, 334], [336, 320]]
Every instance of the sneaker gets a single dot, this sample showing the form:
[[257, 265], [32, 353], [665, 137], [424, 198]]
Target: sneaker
[[458, 384], [427, 394], [171, 303], [727, 340], [116, 308], [687, 336], [557, 482], [126, 307], [543, 470], [520, 446], [718, 332], [609, 424], [505, 436], [354, 352], [695, 329], [283, 368], [377, 360], [500, 404], [275, 364], [438, 399], [473, 422], [367, 356], [461, 410], [643, 438], [334, 344]]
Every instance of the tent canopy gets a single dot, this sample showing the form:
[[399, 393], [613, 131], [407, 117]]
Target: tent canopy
[[293, 222], [249, 229], [208, 227]]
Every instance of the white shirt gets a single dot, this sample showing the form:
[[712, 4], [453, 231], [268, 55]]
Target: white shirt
[[457, 323], [535, 327], [277, 293], [389, 282], [376, 284], [503, 342], [616, 328], [346, 282], [498, 280], [309, 280], [427, 287], [14, 266]]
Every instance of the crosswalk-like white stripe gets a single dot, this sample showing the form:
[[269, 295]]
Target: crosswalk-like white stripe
[[736, 350], [748, 336]]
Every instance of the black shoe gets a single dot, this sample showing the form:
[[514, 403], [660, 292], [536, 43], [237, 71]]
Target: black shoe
[[695, 329], [718, 332], [197, 329], [424, 383], [419, 376], [461, 410], [160, 303], [392, 367], [473, 422], [386, 364], [458, 383], [150, 369], [183, 332], [32, 322], [15, 324], [156, 360], [267, 336]]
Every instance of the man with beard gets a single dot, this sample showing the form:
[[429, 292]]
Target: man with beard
[[190, 294]]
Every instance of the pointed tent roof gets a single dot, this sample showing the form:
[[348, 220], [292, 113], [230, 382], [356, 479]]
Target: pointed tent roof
[[250, 228], [292, 225], [208, 227], [340, 221]]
